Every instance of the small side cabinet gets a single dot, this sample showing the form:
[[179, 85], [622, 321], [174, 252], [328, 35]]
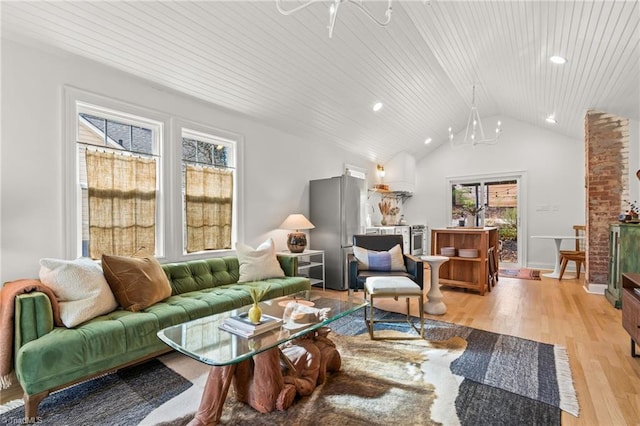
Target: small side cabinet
[[631, 308], [624, 257]]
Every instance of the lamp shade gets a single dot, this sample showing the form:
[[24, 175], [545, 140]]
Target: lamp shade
[[296, 221], [296, 241]]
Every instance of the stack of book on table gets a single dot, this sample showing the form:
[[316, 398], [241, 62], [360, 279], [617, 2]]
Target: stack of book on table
[[240, 325]]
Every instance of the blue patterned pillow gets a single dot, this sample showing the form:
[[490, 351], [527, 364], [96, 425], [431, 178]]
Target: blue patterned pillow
[[380, 261]]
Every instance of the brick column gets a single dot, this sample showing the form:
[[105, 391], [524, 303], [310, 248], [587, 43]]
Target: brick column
[[607, 186]]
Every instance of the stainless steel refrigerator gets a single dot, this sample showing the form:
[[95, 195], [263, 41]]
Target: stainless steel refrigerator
[[337, 210]]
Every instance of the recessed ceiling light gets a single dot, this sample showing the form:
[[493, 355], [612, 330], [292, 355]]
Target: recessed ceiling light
[[558, 60], [377, 106], [551, 119], [427, 141]]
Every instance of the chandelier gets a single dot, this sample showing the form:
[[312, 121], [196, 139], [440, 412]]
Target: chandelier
[[333, 11], [474, 134]]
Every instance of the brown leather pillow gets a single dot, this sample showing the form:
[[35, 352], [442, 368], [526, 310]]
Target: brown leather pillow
[[138, 281]]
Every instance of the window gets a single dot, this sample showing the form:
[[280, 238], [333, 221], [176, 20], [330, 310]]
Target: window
[[208, 176], [137, 178], [118, 174]]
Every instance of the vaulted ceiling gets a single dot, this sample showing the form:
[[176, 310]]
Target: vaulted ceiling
[[285, 71]]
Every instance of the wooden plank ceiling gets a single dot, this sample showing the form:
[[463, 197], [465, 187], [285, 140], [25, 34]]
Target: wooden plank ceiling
[[285, 71]]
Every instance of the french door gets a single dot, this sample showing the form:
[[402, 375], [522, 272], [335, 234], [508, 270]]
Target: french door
[[491, 201]]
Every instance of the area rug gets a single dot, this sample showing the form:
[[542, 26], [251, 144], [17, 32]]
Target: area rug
[[521, 273], [121, 398], [521, 371], [460, 376], [376, 384]]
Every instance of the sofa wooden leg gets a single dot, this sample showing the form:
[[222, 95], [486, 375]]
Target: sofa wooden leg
[[31, 403]]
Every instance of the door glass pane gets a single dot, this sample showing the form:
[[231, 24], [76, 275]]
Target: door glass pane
[[467, 204], [502, 212], [489, 203]]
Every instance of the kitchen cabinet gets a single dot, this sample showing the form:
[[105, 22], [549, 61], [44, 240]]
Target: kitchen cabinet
[[624, 251], [310, 265], [631, 308], [466, 272]]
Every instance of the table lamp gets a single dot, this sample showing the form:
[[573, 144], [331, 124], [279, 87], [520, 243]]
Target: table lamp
[[297, 241]]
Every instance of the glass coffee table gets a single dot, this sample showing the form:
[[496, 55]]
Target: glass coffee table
[[254, 364]]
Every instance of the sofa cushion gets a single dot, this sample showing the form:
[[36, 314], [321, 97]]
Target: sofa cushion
[[137, 282], [80, 287], [380, 261], [196, 275], [260, 263]]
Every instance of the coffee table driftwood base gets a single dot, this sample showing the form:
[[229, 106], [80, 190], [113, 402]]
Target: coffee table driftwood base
[[268, 370], [260, 381]]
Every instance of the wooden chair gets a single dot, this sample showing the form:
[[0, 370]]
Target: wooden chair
[[578, 255], [492, 261], [497, 254]]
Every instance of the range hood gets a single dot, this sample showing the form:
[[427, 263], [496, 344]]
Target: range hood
[[401, 174]]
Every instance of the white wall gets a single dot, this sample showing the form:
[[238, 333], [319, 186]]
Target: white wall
[[277, 165], [554, 168]]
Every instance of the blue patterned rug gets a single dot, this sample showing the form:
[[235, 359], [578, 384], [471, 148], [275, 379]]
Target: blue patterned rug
[[506, 378], [121, 398]]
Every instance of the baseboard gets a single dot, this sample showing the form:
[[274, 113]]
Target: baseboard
[[595, 288], [540, 266]]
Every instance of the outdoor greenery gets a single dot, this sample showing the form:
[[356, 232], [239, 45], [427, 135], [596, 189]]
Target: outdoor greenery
[[464, 203], [507, 233], [499, 211], [508, 229]]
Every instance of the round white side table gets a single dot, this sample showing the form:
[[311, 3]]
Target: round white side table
[[435, 305]]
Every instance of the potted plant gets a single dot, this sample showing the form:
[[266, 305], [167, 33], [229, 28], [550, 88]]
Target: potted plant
[[632, 212], [255, 312], [472, 211]]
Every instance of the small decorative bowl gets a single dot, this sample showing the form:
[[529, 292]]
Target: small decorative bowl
[[448, 251], [468, 252]]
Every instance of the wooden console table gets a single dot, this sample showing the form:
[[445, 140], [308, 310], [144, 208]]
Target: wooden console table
[[631, 308], [466, 272]]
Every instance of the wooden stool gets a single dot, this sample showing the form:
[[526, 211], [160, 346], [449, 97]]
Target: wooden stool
[[392, 286]]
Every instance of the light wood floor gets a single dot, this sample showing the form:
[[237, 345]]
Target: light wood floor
[[606, 378]]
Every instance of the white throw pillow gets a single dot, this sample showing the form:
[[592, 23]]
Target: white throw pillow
[[258, 264], [81, 288], [381, 261]]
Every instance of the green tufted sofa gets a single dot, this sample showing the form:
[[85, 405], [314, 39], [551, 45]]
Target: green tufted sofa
[[48, 358]]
